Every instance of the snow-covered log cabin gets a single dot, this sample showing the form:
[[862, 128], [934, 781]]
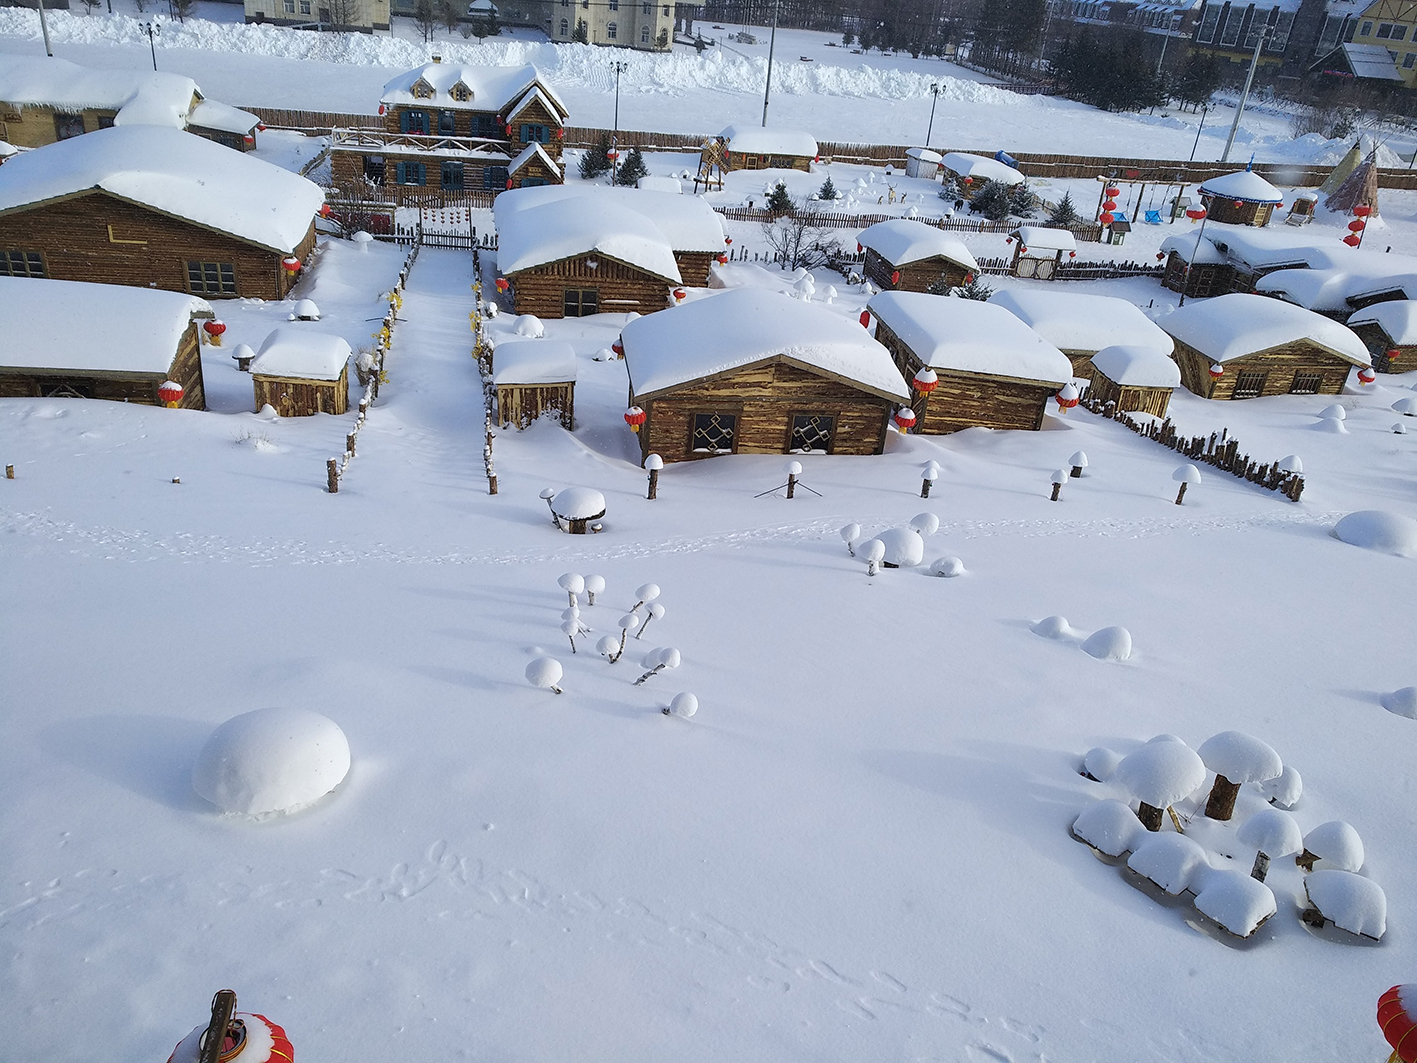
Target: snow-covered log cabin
[[909, 256], [44, 100], [747, 147], [1139, 379], [1081, 325], [992, 370], [1234, 258], [1389, 330], [750, 371], [1243, 198], [969, 172], [301, 372], [532, 377], [454, 127], [99, 341], [1240, 346], [566, 259], [155, 208]]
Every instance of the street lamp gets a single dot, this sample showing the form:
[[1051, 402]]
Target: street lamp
[[154, 29], [620, 68], [1245, 94], [935, 92], [772, 43], [44, 28]]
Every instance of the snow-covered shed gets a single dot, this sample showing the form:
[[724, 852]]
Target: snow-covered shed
[[1234, 258], [361, 17], [302, 371], [909, 256], [227, 125], [751, 371], [1241, 346], [992, 370], [99, 341], [531, 377], [1197, 265], [1243, 198], [567, 259], [1389, 329], [154, 207], [1081, 325], [971, 171], [1134, 378], [1039, 250], [750, 147], [922, 162]]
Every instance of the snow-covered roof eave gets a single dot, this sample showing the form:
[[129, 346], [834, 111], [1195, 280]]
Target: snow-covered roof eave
[[213, 114], [534, 95], [532, 151], [781, 357]]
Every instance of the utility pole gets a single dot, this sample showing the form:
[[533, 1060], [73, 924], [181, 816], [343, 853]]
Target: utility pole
[[154, 30], [935, 92], [1245, 94], [44, 29], [1165, 39], [1205, 109], [1186, 277], [620, 68], [772, 43]]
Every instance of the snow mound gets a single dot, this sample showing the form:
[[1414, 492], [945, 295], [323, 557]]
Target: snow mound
[[1284, 789], [1169, 860], [904, 547], [1332, 425], [1376, 529], [1335, 846], [1236, 901], [1272, 832], [271, 760], [1109, 644], [1354, 903], [1161, 773], [530, 326], [1101, 763], [1406, 407], [947, 567], [1054, 627], [1402, 702], [1109, 827]]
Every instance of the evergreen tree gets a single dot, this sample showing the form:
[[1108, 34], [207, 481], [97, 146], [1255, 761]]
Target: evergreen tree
[[581, 35], [596, 160], [1022, 202], [973, 289], [1199, 78], [828, 190], [992, 200], [633, 169], [780, 202], [1064, 215], [847, 39]]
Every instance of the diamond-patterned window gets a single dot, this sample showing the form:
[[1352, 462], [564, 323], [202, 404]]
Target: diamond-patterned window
[[811, 434], [713, 433]]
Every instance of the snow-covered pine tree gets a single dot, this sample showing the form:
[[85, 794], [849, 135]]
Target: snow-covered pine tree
[[1064, 215], [633, 169], [780, 202], [973, 289], [596, 160], [1022, 202], [992, 200], [828, 190]]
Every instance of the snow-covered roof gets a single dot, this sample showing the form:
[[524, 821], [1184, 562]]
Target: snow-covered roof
[[1396, 317], [1331, 289], [1235, 325], [493, 88], [1187, 244], [969, 336], [1044, 238], [562, 228], [901, 240], [172, 172], [1137, 367], [534, 151], [7, 149], [1371, 61], [758, 141], [980, 168], [1244, 185], [212, 114], [743, 326], [653, 183], [1076, 322], [687, 222], [923, 154], [140, 97], [1272, 246], [302, 354], [50, 324], [533, 362], [534, 95]]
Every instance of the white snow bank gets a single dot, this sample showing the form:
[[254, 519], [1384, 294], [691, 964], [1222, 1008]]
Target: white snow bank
[[1045, 238], [948, 567], [533, 362], [1271, 832], [1402, 702], [1236, 901], [1109, 644], [212, 114], [1054, 627], [1137, 367], [901, 240], [1235, 325], [1376, 529], [1285, 789], [578, 503], [1354, 903], [302, 354], [904, 547], [1169, 860], [530, 326], [1075, 322], [1396, 317], [271, 760], [1109, 827]]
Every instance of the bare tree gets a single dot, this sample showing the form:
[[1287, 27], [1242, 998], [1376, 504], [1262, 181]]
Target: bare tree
[[425, 18], [346, 12], [449, 14], [183, 8], [797, 243]]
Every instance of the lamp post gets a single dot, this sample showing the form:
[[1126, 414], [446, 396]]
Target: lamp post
[[1205, 109], [772, 43], [1244, 95], [935, 92], [1200, 233], [620, 68], [44, 29], [154, 30]]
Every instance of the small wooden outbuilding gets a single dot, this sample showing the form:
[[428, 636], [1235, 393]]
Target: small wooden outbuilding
[[531, 377], [971, 171], [922, 162], [1243, 198], [1081, 325], [1137, 379], [1196, 266], [1039, 251], [751, 371], [1244, 346], [1389, 330], [99, 341], [301, 372], [906, 255], [993, 370], [748, 147]]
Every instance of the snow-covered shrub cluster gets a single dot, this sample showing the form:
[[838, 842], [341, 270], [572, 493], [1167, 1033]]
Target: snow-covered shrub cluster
[[1214, 833], [900, 547], [1106, 644]]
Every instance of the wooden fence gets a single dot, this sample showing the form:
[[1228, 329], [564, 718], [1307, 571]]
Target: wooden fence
[[321, 122], [1086, 233]]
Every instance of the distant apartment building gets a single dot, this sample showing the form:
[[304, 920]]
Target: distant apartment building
[[358, 15]]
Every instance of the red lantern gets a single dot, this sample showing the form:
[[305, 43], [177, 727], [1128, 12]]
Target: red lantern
[[169, 393], [1357, 225], [560, 133], [509, 183], [1196, 213], [679, 295], [634, 417], [214, 328], [1022, 250], [728, 240], [1067, 398], [895, 276], [1392, 353], [618, 348], [381, 108], [859, 248], [1239, 203], [1279, 206], [1107, 218], [260, 127], [865, 319], [723, 260], [290, 264], [969, 278], [1216, 371], [324, 210], [926, 380], [1072, 254], [905, 418], [1352, 239], [250, 1036], [249, 140], [1111, 204], [1008, 239], [1397, 1017], [1113, 190], [1160, 255], [1362, 210], [1366, 375], [503, 285]]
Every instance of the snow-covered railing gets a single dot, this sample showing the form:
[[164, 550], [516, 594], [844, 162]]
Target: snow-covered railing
[[373, 375], [1220, 450], [481, 354], [1088, 233], [359, 139]]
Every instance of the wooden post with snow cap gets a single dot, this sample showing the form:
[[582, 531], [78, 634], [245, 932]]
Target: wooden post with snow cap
[[928, 477], [332, 472], [654, 463], [1059, 478], [9, 472], [1185, 474], [794, 469], [1078, 462]]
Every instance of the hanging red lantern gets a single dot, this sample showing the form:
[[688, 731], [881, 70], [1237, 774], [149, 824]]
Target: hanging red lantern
[[1111, 204], [1279, 206], [865, 319], [1397, 1017], [1216, 371], [969, 180], [169, 393], [1195, 213], [1366, 375], [728, 240], [1352, 239], [1362, 210], [723, 260], [634, 417], [560, 133], [249, 140], [1112, 191], [895, 276], [509, 184], [1107, 218], [503, 284], [1357, 225], [1022, 250], [1392, 353], [1239, 203], [1067, 398], [381, 108], [290, 264], [905, 418], [1072, 254], [679, 295], [324, 210], [214, 328], [1160, 255], [859, 248], [925, 381], [260, 127], [969, 278], [1008, 239], [618, 348]]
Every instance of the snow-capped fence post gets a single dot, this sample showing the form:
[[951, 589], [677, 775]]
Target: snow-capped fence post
[[850, 534], [1059, 478], [349, 444], [654, 463], [928, 478], [873, 552], [9, 472], [332, 472], [794, 468]]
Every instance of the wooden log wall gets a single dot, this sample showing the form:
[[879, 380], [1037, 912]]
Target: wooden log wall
[[520, 404], [1280, 366], [1379, 344], [914, 276], [621, 287], [694, 266], [295, 397], [1129, 399]]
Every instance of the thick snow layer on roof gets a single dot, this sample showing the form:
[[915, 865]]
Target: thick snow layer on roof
[[1235, 900], [139, 97], [969, 336], [1043, 238], [758, 141], [1232, 326], [1332, 289], [980, 168], [212, 114], [923, 154], [7, 149], [533, 362], [494, 88], [1277, 245], [302, 353], [1170, 860], [687, 222], [1245, 185], [1186, 244], [1396, 317], [901, 240], [741, 326], [653, 183], [534, 151], [1109, 827], [1137, 367], [49, 324], [533, 235], [534, 95], [172, 172], [1075, 322]]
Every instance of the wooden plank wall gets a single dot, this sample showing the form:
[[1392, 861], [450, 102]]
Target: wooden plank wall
[[1280, 366], [302, 398], [622, 288], [520, 404], [914, 276], [1154, 401]]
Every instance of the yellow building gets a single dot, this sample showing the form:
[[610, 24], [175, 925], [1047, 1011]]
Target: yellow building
[[1392, 24]]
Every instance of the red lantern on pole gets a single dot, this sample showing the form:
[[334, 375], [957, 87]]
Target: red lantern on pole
[[1072, 254], [1362, 210], [1366, 375], [1113, 191], [248, 1036], [969, 180], [1111, 204], [1392, 353], [1357, 225], [324, 210], [618, 348], [214, 328], [503, 285], [1216, 371], [865, 319], [1397, 1017], [634, 417], [1195, 213], [905, 418], [1107, 218], [723, 260], [727, 240], [169, 393], [679, 294], [895, 276], [290, 264], [925, 381], [1352, 239], [1067, 398], [969, 278]]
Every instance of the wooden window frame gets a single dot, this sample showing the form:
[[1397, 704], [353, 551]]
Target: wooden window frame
[[223, 270], [1306, 376], [375, 170], [28, 259], [66, 119], [452, 166], [832, 415], [1261, 374], [580, 301], [447, 122], [735, 412], [406, 121], [530, 131], [401, 172], [489, 179]]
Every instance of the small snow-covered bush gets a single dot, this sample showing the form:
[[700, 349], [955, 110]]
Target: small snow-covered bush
[[948, 567], [1109, 644], [1334, 846], [1402, 702], [271, 760], [1053, 627], [1100, 763], [1376, 529]]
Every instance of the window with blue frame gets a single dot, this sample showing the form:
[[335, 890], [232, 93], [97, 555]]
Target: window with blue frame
[[485, 125], [532, 182], [447, 123], [413, 122], [412, 173], [535, 134], [494, 177], [452, 175]]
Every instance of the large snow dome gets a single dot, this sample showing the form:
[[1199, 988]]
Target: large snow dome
[[271, 760]]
